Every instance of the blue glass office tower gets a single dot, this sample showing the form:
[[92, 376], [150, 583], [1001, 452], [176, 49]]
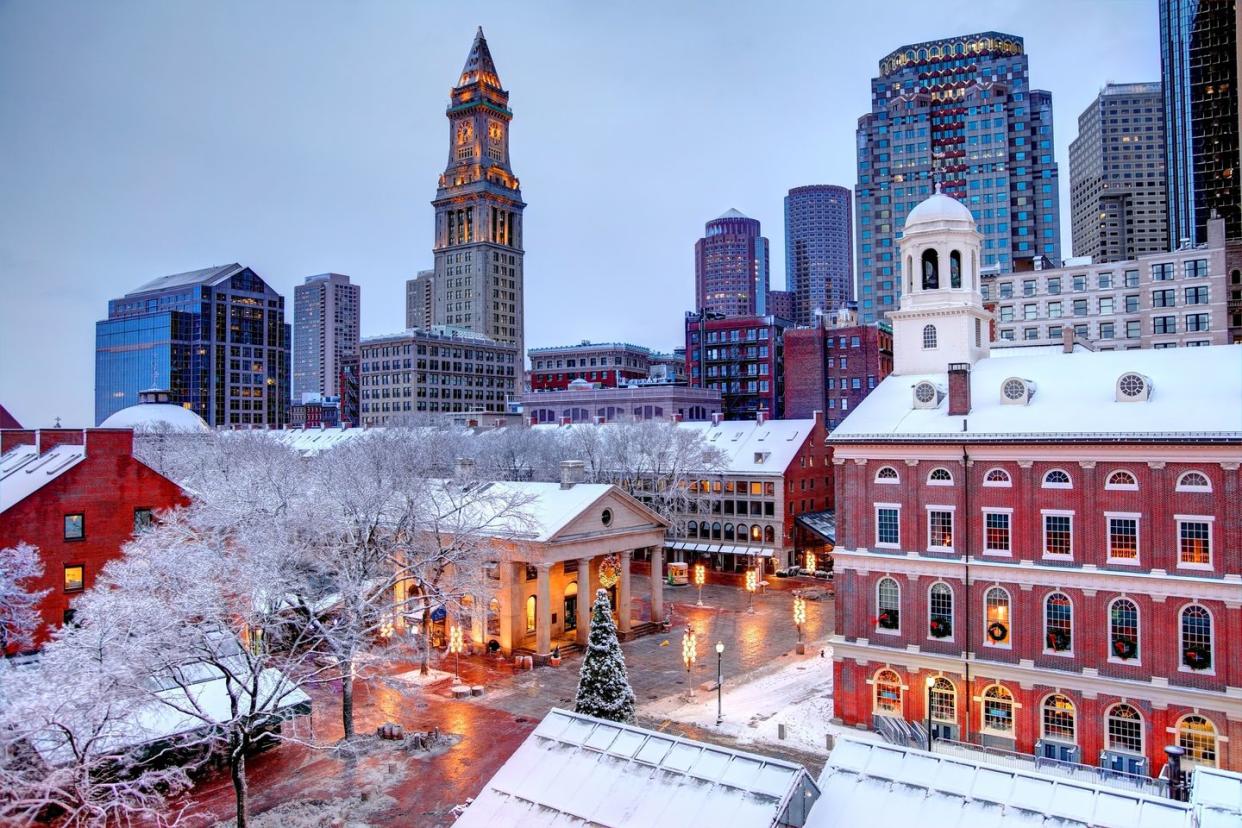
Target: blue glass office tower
[[215, 338], [958, 112], [819, 260]]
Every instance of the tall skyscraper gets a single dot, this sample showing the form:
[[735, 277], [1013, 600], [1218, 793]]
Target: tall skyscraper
[[958, 112], [731, 267], [1118, 198], [420, 300], [819, 260], [478, 247], [325, 329], [216, 339], [1199, 71]]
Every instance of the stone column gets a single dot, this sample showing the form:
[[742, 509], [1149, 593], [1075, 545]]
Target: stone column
[[623, 593], [543, 610], [478, 621], [586, 599], [507, 597], [657, 584]]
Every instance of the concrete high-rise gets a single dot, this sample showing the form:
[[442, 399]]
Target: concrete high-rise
[[819, 259], [420, 300], [1118, 197], [958, 112], [1199, 72], [478, 244], [325, 330], [731, 270]]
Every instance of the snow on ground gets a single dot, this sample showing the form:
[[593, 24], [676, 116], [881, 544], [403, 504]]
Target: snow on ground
[[416, 677]]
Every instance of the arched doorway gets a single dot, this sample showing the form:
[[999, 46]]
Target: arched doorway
[[571, 606]]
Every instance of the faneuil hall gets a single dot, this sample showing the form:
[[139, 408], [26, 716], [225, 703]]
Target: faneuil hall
[[1038, 548]]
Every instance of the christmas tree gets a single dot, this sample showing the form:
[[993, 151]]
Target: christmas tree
[[603, 686]]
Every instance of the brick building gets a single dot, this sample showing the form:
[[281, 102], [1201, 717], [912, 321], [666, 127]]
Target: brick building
[[583, 402], [1040, 551], [608, 364], [742, 357], [731, 273], [832, 368], [78, 495]]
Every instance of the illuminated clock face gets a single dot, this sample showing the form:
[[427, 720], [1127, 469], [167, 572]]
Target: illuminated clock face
[[465, 132], [494, 131]]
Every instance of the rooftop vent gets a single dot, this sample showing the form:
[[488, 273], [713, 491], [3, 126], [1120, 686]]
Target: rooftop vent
[[1133, 387], [927, 394], [1017, 391]]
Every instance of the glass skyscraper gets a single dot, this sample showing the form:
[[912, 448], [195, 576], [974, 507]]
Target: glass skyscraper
[[819, 261], [958, 112], [214, 338]]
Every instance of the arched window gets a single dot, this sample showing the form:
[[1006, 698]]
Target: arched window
[[1193, 481], [728, 531], [888, 604], [943, 700], [955, 269], [715, 531], [692, 529], [940, 477], [705, 530], [1197, 637], [743, 532], [1123, 629], [1197, 736], [996, 617], [1124, 726], [887, 693], [1122, 480], [940, 606], [1058, 623], [929, 337], [909, 274], [532, 605], [998, 710], [887, 475], [997, 477], [755, 532], [769, 534], [1058, 718], [1057, 479]]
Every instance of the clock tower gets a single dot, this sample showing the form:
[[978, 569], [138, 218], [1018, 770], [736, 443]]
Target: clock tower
[[478, 247]]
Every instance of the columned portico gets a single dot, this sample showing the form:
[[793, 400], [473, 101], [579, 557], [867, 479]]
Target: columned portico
[[623, 594], [586, 597], [657, 583]]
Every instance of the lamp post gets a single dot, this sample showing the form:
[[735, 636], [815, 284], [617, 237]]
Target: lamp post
[[700, 577], [799, 609], [752, 583], [719, 682], [455, 647], [810, 562], [931, 682], [689, 654]]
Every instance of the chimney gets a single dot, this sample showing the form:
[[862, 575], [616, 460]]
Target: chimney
[[534, 420], [716, 418], [959, 389], [464, 469], [761, 417], [572, 473], [1067, 339]]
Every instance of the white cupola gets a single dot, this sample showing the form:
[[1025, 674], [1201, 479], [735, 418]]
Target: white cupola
[[941, 319]]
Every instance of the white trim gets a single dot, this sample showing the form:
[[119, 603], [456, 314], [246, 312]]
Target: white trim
[[1042, 703], [878, 609], [1137, 661], [997, 510], [1014, 707], [1181, 642], [1044, 514], [887, 481], [1182, 487], [948, 482], [876, 525], [1008, 622], [1006, 484], [952, 611], [1044, 484], [1142, 730], [1120, 487], [1072, 624], [1210, 520], [951, 510], [1137, 517]]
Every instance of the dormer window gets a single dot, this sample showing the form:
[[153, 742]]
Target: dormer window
[[927, 395], [1133, 387], [760, 457]]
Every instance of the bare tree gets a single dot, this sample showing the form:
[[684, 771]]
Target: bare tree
[[19, 604]]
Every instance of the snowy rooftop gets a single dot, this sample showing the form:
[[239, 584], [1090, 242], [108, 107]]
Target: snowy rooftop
[[863, 780], [23, 471], [1196, 394], [576, 770], [156, 417], [206, 276]]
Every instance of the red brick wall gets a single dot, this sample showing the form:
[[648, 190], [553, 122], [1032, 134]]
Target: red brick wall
[[809, 478], [805, 380]]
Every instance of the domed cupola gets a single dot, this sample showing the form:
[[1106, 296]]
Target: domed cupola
[[155, 411]]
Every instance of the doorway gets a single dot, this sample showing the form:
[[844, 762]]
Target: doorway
[[571, 606]]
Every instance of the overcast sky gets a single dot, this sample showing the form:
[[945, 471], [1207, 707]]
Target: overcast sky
[[139, 139]]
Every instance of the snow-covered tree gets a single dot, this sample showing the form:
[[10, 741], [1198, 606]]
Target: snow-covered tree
[[20, 566], [603, 685]]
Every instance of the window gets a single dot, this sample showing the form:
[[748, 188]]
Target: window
[[1125, 729], [940, 604], [1122, 480], [1058, 718], [1196, 268], [939, 528], [1123, 630], [1166, 298], [1132, 278], [142, 519], [996, 617], [1162, 272], [1197, 322], [940, 477], [1080, 307], [532, 572], [1123, 538], [1196, 638], [531, 605], [1193, 481], [1197, 295], [888, 605], [1164, 324], [1054, 284], [887, 475], [887, 693], [1197, 736], [75, 575], [1194, 541], [996, 532], [943, 700], [998, 710], [929, 337], [75, 527], [1054, 309], [1057, 479], [887, 531], [1058, 533], [997, 477], [1058, 623]]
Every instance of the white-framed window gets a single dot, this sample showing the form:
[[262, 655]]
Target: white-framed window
[[940, 477], [943, 700], [997, 622], [940, 611], [1059, 720], [1124, 729], [1196, 638], [1193, 481], [997, 534], [1194, 541], [1058, 624], [1121, 480], [887, 689], [997, 478], [888, 525], [888, 475], [929, 337], [888, 606], [1197, 736], [940, 528], [1123, 631], [997, 711], [1058, 534], [1123, 537], [1057, 479]]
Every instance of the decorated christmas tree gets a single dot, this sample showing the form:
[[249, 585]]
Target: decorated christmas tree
[[603, 686]]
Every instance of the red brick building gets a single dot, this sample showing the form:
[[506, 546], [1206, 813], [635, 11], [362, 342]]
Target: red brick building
[[1040, 551], [607, 364], [743, 358], [78, 495], [831, 369]]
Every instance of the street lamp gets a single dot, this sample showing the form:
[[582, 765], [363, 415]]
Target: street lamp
[[752, 583], [810, 562], [689, 654], [719, 682], [799, 609], [455, 647], [931, 682], [700, 578]]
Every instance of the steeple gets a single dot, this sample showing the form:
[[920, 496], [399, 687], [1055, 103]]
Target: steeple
[[479, 66]]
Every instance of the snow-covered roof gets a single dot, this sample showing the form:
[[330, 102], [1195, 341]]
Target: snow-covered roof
[[731, 213], [576, 770], [309, 441], [156, 417], [938, 207], [1196, 393], [864, 780], [23, 471]]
